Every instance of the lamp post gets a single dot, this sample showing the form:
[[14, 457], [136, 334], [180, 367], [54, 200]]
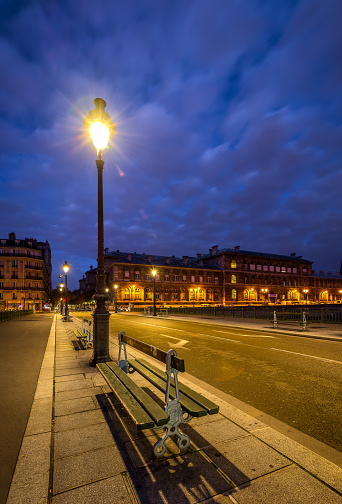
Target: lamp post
[[101, 128], [193, 292], [154, 293], [306, 295], [115, 303], [66, 269], [264, 291], [61, 287]]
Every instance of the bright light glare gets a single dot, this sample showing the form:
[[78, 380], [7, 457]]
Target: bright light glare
[[100, 135]]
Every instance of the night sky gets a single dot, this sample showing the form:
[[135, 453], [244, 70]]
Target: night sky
[[228, 117]]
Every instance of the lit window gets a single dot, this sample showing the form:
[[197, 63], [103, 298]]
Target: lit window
[[208, 280], [148, 277], [216, 280], [176, 278], [265, 267], [271, 268], [294, 270], [184, 278], [233, 293], [283, 269], [277, 269], [233, 278], [201, 279], [126, 274], [233, 263], [192, 278], [252, 266], [259, 267], [137, 275], [167, 278], [289, 270]]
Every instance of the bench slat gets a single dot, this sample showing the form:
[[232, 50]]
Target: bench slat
[[192, 407], [155, 411], [211, 407], [138, 414], [152, 351]]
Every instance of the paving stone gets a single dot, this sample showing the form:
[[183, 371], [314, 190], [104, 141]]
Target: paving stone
[[245, 459], [75, 441], [40, 417], [70, 377], [83, 392], [74, 405], [73, 385], [77, 420], [183, 479], [287, 486], [68, 370], [214, 433], [111, 490], [88, 467]]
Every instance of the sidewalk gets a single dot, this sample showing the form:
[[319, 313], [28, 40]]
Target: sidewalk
[[80, 446]]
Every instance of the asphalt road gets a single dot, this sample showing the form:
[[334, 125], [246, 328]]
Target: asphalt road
[[294, 379], [23, 342]]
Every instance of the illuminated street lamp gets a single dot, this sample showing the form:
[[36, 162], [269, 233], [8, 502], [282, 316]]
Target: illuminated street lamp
[[154, 293], [61, 287], [264, 291], [115, 303], [306, 295], [194, 291], [101, 128], [66, 269]]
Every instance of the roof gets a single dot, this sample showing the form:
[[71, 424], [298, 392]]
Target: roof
[[292, 257], [158, 260]]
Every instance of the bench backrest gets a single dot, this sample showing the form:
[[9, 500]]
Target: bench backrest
[[154, 352]]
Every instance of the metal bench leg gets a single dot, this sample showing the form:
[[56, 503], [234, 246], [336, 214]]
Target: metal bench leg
[[173, 408]]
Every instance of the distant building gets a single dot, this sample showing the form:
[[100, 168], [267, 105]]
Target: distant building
[[226, 276], [25, 273]]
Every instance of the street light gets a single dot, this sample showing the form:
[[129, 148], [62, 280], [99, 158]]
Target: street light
[[115, 304], [101, 128], [306, 295], [66, 269], [194, 291], [154, 293], [264, 291], [61, 287]]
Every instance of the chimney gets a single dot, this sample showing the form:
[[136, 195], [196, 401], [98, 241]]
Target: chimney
[[106, 250], [293, 254], [198, 255], [149, 258], [214, 249], [11, 236], [129, 257], [185, 259], [237, 248]]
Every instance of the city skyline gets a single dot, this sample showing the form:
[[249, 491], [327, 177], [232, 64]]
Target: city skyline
[[228, 128]]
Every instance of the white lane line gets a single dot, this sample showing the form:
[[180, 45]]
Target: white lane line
[[310, 356], [247, 335], [181, 343], [161, 327]]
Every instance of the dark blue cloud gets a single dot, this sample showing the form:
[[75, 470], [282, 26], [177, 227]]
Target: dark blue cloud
[[228, 120]]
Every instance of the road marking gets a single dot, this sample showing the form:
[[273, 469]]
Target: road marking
[[161, 327], [305, 355], [249, 335], [181, 343]]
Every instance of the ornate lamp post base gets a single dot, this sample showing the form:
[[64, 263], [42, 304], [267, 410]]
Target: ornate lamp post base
[[101, 331]]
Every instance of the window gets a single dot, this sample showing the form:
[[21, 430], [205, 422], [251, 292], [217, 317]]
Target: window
[[14, 295], [233, 294], [233, 263], [184, 278], [157, 278], [167, 278], [216, 280], [193, 278], [175, 295], [137, 293], [1, 285], [14, 264], [200, 294], [294, 270], [176, 278], [148, 277], [14, 285], [277, 269], [126, 274], [233, 279], [271, 268], [137, 275], [209, 280], [259, 267], [283, 269], [252, 266], [265, 267], [289, 270], [201, 279], [305, 270]]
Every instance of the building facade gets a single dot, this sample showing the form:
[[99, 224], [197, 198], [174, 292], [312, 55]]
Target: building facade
[[25, 273], [220, 277]]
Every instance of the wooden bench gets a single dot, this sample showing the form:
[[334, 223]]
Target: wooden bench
[[163, 312], [83, 338], [181, 402], [302, 320]]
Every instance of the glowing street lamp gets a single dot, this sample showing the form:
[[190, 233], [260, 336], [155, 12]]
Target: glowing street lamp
[[154, 272], [306, 295], [100, 127], [115, 303], [66, 269], [61, 287]]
